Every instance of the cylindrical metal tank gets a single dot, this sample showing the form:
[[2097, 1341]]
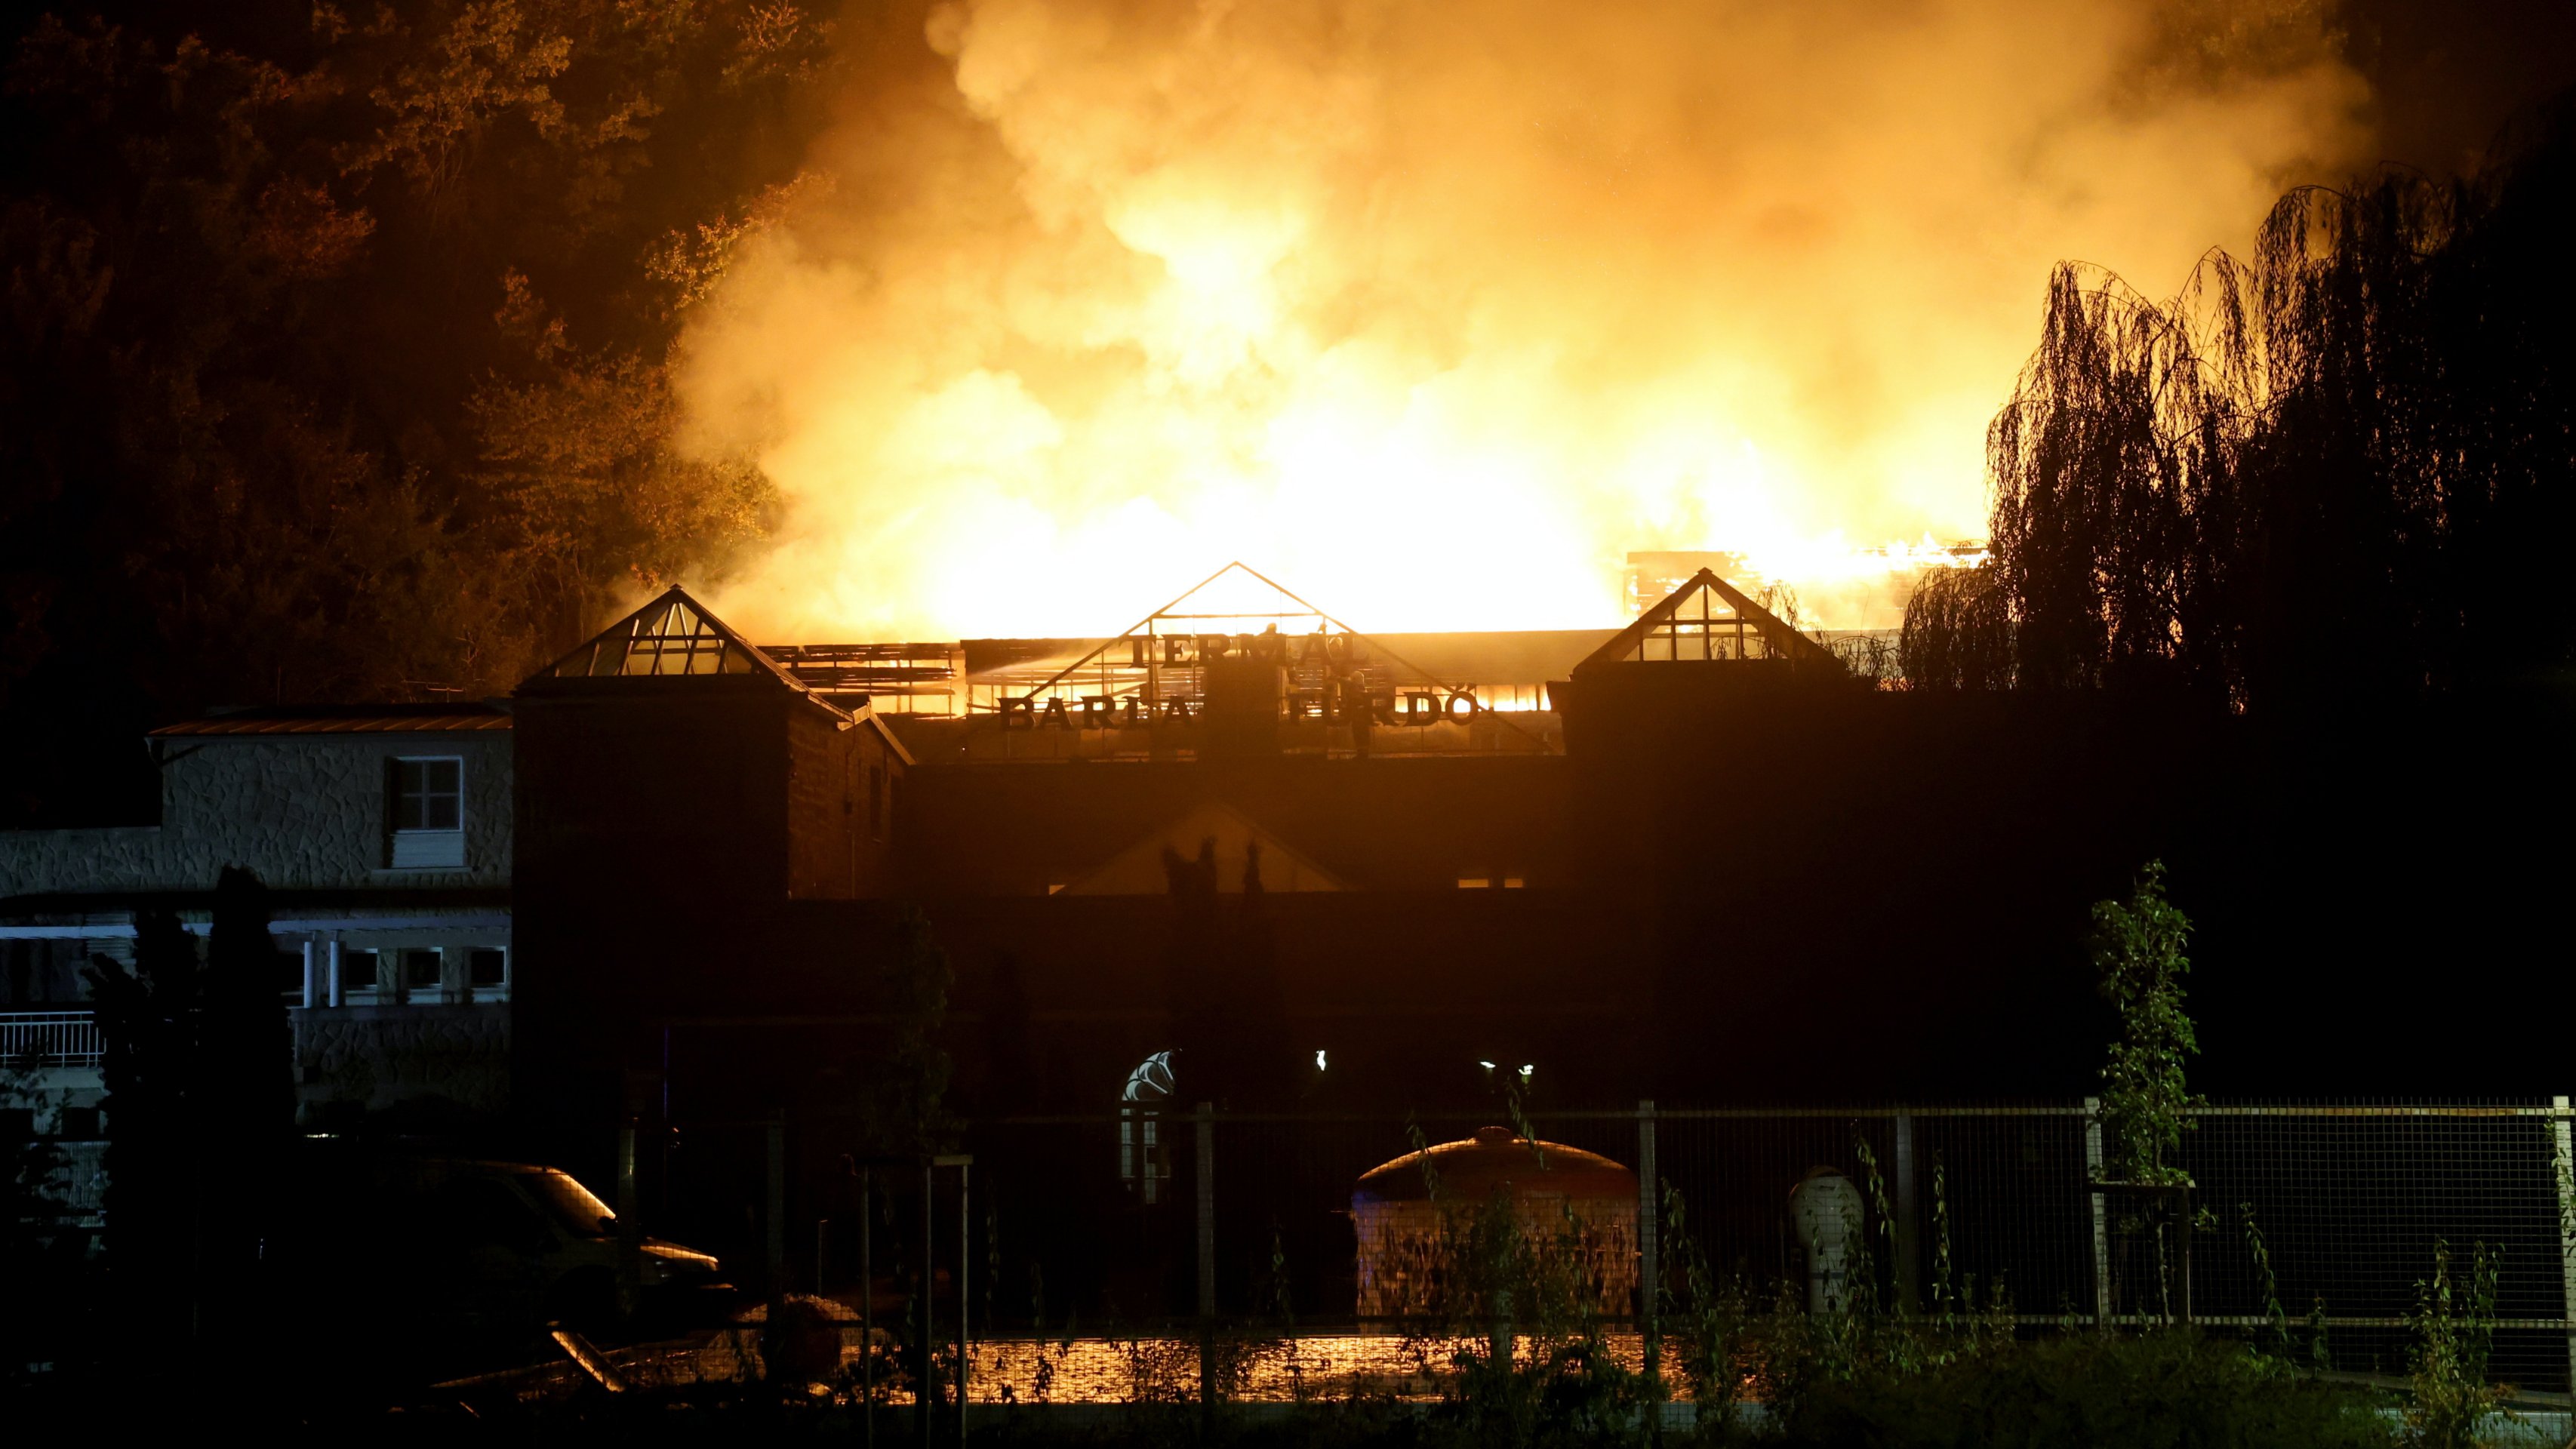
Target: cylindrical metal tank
[[1553, 1191], [1826, 1211]]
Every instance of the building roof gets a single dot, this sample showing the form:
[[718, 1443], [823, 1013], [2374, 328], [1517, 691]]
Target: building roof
[[443, 717], [1495, 656], [675, 638], [469, 903], [1707, 621], [672, 636]]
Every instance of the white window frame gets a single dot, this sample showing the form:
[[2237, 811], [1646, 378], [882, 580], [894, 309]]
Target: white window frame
[[359, 995], [487, 993], [410, 995], [414, 849]]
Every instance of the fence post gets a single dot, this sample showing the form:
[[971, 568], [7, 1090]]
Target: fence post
[[924, 1391], [630, 1221], [1908, 1211], [2563, 1172], [1207, 1262], [2101, 1220], [1207, 1210], [867, 1315], [1650, 1267], [774, 1248], [2182, 1233], [965, 1242]]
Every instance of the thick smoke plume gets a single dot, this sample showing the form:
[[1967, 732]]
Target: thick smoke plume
[[1434, 311]]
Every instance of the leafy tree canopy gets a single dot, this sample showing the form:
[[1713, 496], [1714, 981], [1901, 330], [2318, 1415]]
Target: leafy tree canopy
[[336, 343]]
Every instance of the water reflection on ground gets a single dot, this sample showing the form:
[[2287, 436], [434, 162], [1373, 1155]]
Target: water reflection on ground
[[1142, 1368], [1281, 1370]]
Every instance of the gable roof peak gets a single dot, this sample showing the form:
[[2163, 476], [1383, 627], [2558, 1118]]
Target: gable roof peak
[[1728, 626], [671, 635]]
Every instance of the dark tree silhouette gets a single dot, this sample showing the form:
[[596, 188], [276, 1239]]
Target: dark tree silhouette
[[903, 1109], [200, 1108], [1958, 632], [2346, 467], [144, 1020], [340, 340], [40, 1254]]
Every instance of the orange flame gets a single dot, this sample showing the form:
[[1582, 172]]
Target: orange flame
[[1434, 312]]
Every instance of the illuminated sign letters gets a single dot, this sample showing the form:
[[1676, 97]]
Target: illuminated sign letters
[[1412, 708]]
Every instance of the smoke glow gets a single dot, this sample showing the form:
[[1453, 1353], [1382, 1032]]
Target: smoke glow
[[1434, 311]]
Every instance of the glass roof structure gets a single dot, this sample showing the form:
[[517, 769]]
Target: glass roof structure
[[1707, 620], [668, 636], [675, 638]]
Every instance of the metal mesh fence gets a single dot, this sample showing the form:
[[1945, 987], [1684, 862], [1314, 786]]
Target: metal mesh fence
[[2312, 1225], [2352, 1201]]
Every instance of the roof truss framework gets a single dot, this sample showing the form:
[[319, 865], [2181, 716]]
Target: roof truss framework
[[1707, 620], [1235, 600]]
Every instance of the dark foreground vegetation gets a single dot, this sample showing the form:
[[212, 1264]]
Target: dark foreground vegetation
[[2165, 1390], [1512, 1347]]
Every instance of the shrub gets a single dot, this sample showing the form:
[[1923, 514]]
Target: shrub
[[2166, 1390]]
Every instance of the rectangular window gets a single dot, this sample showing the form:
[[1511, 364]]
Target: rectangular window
[[420, 974], [428, 794], [357, 973], [426, 802], [486, 968], [290, 975], [77, 1124]]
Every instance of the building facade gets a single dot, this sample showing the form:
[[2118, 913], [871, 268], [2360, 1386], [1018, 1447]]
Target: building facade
[[681, 888], [384, 837]]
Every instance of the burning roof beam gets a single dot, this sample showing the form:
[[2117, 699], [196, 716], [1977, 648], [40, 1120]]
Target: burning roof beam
[[1304, 610]]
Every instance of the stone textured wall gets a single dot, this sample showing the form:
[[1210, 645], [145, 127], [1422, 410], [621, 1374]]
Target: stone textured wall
[[303, 811], [373, 1057], [834, 850], [826, 778]]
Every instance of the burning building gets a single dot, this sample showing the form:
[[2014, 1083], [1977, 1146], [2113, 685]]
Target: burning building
[[1242, 853], [670, 796]]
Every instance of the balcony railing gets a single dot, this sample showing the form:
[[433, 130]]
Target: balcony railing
[[50, 1038]]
